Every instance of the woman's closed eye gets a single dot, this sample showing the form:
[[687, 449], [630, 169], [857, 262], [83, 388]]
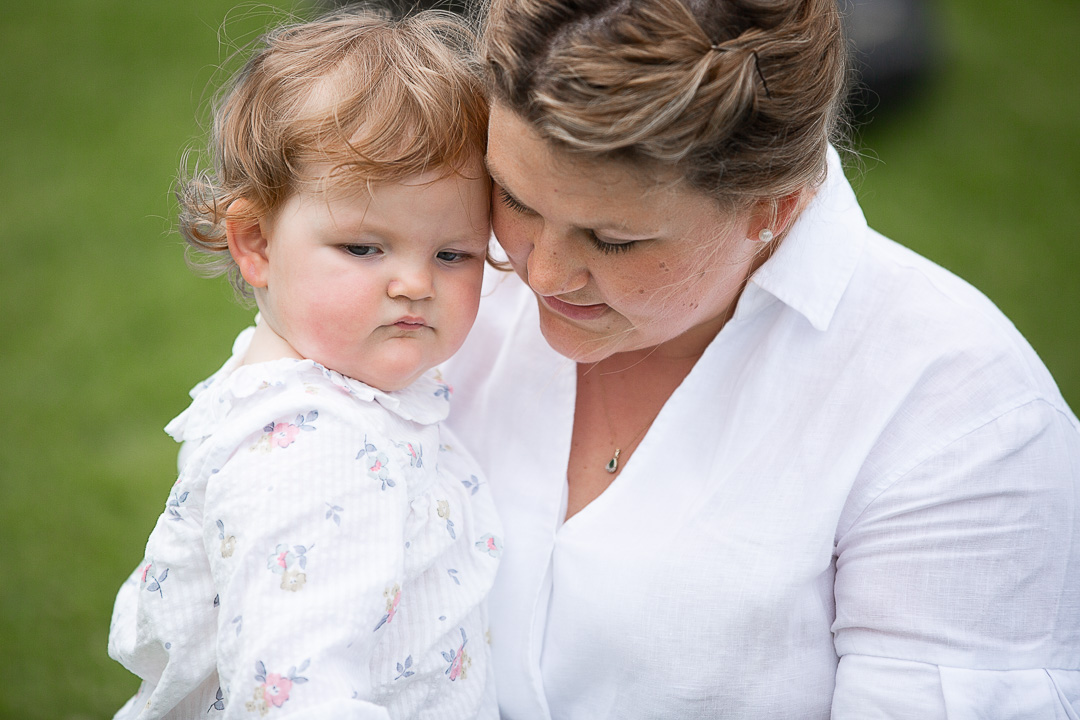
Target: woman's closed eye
[[603, 246], [610, 248], [511, 202]]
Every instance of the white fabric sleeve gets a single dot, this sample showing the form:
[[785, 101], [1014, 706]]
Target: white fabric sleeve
[[307, 552], [956, 587]]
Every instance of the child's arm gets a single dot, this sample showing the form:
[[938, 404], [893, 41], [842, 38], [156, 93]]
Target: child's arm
[[306, 545]]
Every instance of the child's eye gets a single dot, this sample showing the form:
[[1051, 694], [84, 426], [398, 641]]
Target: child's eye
[[452, 256], [361, 250]]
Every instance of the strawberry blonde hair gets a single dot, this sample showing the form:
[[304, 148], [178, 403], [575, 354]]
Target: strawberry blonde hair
[[378, 99], [743, 97]]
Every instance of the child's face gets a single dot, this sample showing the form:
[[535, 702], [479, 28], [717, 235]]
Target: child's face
[[380, 287]]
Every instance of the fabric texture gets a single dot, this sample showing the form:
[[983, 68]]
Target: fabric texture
[[324, 553], [863, 502]]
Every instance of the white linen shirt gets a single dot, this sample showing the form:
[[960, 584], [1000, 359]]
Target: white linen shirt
[[861, 503], [324, 553]]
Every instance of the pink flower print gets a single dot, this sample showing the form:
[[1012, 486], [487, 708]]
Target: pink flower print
[[146, 570], [375, 463], [289, 562], [458, 659], [393, 597], [276, 689], [490, 544], [283, 434], [455, 666], [415, 453]]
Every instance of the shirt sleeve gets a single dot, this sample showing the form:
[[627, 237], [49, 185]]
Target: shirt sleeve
[[956, 587], [304, 528]]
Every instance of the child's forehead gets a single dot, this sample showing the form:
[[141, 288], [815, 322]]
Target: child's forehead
[[338, 180], [351, 201]]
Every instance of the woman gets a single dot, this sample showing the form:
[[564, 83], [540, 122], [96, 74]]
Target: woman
[[753, 459]]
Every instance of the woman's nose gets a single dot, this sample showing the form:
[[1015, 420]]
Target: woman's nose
[[411, 282], [553, 266]]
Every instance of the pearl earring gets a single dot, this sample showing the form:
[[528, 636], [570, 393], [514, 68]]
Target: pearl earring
[[766, 235]]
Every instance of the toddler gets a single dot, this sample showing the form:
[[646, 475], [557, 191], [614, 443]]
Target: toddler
[[327, 547]]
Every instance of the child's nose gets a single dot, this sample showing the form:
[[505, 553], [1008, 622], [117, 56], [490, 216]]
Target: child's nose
[[412, 283]]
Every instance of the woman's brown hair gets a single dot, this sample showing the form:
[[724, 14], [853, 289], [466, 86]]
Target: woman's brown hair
[[743, 96], [375, 99]]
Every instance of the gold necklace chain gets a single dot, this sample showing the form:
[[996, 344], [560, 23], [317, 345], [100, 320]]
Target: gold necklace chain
[[612, 465]]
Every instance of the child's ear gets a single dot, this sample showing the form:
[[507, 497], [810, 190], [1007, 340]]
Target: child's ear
[[247, 243]]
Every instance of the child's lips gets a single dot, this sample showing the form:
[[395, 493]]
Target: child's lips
[[410, 322]]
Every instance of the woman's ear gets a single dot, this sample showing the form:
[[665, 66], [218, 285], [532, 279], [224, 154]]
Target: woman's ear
[[775, 216], [247, 243]]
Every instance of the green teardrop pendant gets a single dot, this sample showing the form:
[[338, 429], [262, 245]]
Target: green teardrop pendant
[[613, 463]]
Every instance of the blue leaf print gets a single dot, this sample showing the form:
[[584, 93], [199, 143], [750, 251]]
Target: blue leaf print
[[220, 704], [260, 671], [403, 670]]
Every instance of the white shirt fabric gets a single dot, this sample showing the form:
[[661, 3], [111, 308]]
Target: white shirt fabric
[[863, 502], [325, 553]]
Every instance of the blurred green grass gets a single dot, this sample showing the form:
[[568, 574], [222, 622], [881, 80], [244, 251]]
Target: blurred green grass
[[104, 328]]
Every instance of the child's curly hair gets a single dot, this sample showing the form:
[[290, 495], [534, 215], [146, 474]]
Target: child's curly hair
[[361, 94]]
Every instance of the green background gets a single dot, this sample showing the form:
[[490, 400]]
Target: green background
[[104, 328]]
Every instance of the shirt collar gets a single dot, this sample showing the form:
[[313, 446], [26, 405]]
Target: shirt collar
[[813, 265]]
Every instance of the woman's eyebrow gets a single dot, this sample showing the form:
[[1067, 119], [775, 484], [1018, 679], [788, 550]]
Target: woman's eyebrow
[[494, 174], [502, 185]]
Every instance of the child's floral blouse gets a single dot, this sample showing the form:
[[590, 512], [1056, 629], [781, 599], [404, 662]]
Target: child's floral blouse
[[325, 551]]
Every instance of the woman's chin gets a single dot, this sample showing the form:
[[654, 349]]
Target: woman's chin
[[576, 343]]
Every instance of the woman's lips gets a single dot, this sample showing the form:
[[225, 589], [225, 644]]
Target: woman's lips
[[574, 312]]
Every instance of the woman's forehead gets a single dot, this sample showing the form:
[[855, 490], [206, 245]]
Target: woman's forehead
[[540, 174]]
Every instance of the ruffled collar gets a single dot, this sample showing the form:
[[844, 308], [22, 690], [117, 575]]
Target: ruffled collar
[[425, 401]]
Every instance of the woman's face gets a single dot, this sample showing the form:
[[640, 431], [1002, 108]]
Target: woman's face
[[620, 259]]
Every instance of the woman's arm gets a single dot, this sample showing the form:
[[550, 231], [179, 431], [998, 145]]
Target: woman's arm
[[958, 586]]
